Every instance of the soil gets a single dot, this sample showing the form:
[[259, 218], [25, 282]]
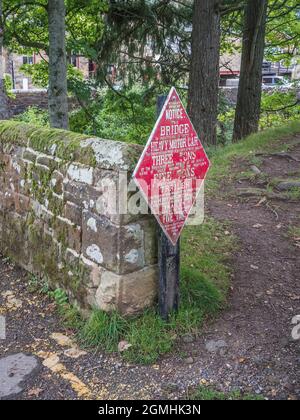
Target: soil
[[248, 348]]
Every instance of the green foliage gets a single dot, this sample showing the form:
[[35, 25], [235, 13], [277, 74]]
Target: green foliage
[[279, 107], [104, 330], [283, 28], [77, 85], [225, 120], [294, 234], [282, 32], [34, 116], [294, 194], [38, 73], [208, 393], [266, 140], [59, 296], [70, 316], [8, 84], [126, 115]]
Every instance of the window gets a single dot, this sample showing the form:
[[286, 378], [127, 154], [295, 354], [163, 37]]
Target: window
[[27, 60], [268, 80], [91, 66], [73, 60]]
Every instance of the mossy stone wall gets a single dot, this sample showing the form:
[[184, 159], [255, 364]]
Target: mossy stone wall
[[51, 223]]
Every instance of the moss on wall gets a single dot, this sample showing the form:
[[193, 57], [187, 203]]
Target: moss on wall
[[62, 144], [59, 143]]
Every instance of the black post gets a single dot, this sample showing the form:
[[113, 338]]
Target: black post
[[169, 263]]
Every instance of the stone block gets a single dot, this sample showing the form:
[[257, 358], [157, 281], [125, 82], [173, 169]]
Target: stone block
[[82, 195], [30, 155], [67, 233], [129, 294], [73, 213], [81, 173], [100, 240], [22, 204], [56, 182], [131, 248]]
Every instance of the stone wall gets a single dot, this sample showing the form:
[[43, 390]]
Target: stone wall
[[38, 98], [56, 219]]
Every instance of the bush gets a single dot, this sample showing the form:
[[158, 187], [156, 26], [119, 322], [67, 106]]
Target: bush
[[34, 116], [127, 115], [279, 107]]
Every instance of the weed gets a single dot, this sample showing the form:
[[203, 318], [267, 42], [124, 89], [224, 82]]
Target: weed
[[294, 194], [203, 393]]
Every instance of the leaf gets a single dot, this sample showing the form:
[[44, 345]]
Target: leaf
[[62, 339], [35, 392], [123, 346]]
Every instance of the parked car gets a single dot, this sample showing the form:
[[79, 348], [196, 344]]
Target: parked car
[[274, 81]]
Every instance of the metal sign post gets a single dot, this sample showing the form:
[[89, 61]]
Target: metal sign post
[[170, 174], [168, 261]]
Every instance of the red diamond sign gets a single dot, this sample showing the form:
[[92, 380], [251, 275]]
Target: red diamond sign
[[172, 168]]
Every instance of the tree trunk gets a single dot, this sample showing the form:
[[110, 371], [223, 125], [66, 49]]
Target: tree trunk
[[204, 74], [250, 87], [4, 111], [58, 95]]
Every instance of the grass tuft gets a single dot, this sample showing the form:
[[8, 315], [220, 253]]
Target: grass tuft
[[294, 194], [204, 284], [264, 141], [203, 393]]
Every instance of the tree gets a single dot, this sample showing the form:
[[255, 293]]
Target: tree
[[204, 74], [250, 87], [58, 90], [4, 113]]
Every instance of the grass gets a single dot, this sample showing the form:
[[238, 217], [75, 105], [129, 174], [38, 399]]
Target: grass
[[203, 393], [264, 141], [205, 279], [294, 232], [294, 194]]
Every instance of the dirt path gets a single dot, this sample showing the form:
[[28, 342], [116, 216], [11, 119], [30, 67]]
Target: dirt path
[[250, 347]]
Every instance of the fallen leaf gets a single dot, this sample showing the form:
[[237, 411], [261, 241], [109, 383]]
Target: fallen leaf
[[74, 353], [11, 301], [35, 392], [258, 226], [123, 346], [62, 339], [51, 361]]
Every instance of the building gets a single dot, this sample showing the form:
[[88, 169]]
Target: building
[[13, 66]]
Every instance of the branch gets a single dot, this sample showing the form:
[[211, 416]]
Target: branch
[[283, 108]]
